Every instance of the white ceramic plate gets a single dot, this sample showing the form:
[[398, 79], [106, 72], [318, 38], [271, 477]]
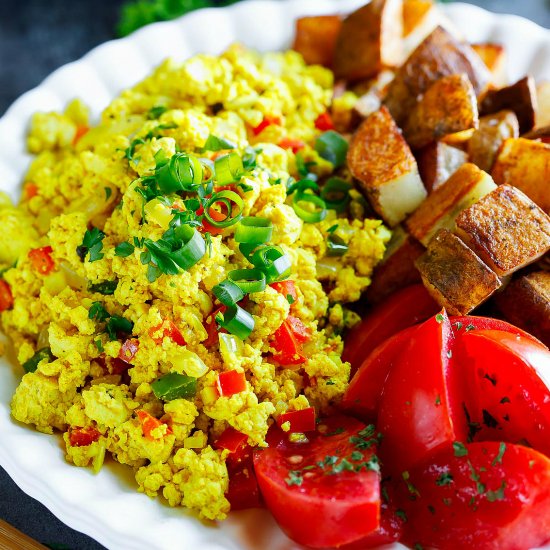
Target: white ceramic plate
[[107, 506]]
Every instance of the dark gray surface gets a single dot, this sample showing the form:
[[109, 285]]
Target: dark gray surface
[[36, 37]]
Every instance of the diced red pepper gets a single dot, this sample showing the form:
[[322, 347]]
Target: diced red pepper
[[231, 440], [267, 121], [243, 491], [300, 421], [324, 122], [288, 290], [300, 332], [6, 298], [82, 437], [216, 215], [290, 143], [167, 328], [150, 423], [118, 366], [128, 350], [288, 350], [81, 131], [31, 190], [212, 328], [231, 382], [41, 260]]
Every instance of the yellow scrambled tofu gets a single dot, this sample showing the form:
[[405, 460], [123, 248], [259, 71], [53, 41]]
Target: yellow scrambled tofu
[[115, 261]]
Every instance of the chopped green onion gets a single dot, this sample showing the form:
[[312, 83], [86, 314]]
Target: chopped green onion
[[229, 168], [332, 147], [254, 230], [182, 172], [336, 246], [156, 111], [335, 193], [301, 186], [227, 198], [193, 247], [248, 280], [237, 321], [228, 292], [309, 215], [215, 143], [174, 386], [107, 288], [32, 364], [273, 262]]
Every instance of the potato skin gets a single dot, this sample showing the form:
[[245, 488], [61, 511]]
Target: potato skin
[[315, 38], [439, 55], [437, 162]]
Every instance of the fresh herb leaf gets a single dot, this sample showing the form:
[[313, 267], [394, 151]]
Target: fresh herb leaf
[[116, 325], [500, 455], [444, 479], [439, 318], [106, 288], [108, 193], [91, 244], [124, 249], [156, 111], [493, 496], [97, 312], [99, 345], [460, 449], [294, 478], [215, 143], [401, 514]]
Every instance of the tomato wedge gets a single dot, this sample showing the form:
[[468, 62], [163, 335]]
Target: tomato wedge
[[403, 309], [420, 410], [481, 495], [509, 388], [324, 492]]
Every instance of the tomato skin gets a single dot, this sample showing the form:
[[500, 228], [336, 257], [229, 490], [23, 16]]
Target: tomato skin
[[82, 437], [326, 509], [41, 260], [495, 500], [300, 421], [301, 333], [362, 398], [420, 410], [403, 309], [6, 297], [508, 396]]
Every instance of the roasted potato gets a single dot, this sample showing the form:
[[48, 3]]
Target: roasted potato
[[488, 138], [396, 270], [526, 165], [494, 57], [370, 39], [454, 275], [315, 38], [467, 185], [420, 18], [543, 104], [448, 106], [372, 96], [520, 97], [438, 162], [525, 303], [439, 55], [506, 229], [381, 160]]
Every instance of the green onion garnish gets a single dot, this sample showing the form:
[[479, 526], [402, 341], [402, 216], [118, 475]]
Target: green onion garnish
[[193, 247], [227, 199], [229, 168], [335, 193], [228, 292], [332, 147], [254, 230], [237, 321], [273, 262], [182, 172], [309, 215], [302, 185], [336, 246], [215, 143], [32, 364], [248, 280], [174, 386]]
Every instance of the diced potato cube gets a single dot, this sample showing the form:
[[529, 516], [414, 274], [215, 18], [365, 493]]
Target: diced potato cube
[[438, 162], [543, 104], [454, 275], [525, 164], [315, 38], [506, 229], [381, 160], [420, 18], [467, 185], [494, 57]]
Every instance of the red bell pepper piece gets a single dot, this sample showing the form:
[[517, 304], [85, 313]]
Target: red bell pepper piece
[[290, 143], [212, 328], [231, 440], [128, 350], [268, 120], [41, 260], [6, 298], [149, 423], [324, 122], [167, 328], [288, 350], [288, 290], [82, 437], [300, 332], [31, 190], [231, 382], [300, 421]]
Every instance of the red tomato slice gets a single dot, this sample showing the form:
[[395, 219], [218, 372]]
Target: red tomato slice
[[300, 421], [482, 495], [420, 410], [149, 423], [322, 492], [41, 260], [509, 388], [362, 398], [403, 309]]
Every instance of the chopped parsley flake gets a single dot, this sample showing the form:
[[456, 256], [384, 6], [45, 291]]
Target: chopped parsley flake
[[460, 449], [124, 250], [401, 514], [294, 478], [91, 244], [108, 193], [470, 327], [458, 325], [444, 479], [492, 496], [500, 455], [439, 318]]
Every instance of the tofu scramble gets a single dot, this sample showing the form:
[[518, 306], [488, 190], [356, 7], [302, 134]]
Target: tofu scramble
[[177, 275]]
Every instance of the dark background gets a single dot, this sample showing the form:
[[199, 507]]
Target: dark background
[[37, 37]]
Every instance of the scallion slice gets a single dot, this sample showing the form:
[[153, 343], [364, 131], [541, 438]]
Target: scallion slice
[[335, 193], [182, 172], [32, 364], [254, 230], [228, 292], [228, 199], [229, 168], [336, 246], [314, 212], [248, 280], [273, 262], [193, 247], [302, 185], [215, 143], [174, 386], [332, 147], [237, 321]]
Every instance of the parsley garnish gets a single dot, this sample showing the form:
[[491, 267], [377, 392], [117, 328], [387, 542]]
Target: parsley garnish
[[501, 451], [401, 514], [444, 479], [156, 111], [114, 324], [290, 299], [458, 325], [411, 488], [124, 249], [470, 327], [99, 345], [492, 496], [460, 449], [92, 244], [108, 193], [97, 312], [439, 318], [438, 400], [294, 478], [106, 288]]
